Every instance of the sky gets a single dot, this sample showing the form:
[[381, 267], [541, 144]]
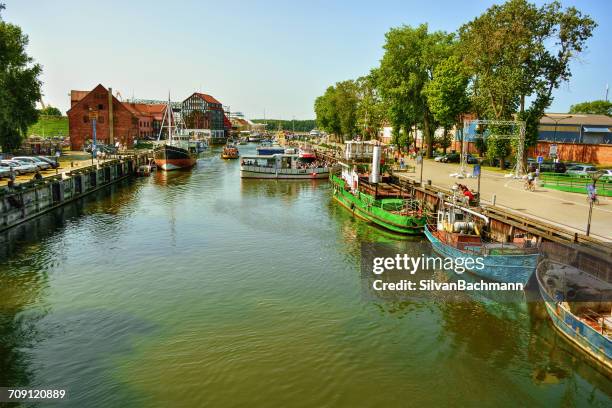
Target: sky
[[269, 58]]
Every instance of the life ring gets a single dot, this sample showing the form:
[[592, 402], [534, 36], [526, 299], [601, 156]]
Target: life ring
[[476, 229]]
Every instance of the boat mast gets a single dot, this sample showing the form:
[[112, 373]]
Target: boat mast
[[169, 110]]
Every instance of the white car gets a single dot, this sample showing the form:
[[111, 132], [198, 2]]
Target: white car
[[19, 167], [5, 171], [607, 173], [42, 165], [581, 170]]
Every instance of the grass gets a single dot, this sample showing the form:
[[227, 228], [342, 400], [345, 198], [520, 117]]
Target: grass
[[49, 126]]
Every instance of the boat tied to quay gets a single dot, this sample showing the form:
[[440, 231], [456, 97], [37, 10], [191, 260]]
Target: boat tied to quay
[[285, 166], [175, 152], [577, 295], [461, 232], [369, 197]]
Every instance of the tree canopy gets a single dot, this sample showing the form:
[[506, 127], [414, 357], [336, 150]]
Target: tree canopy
[[599, 107], [504, 64], [19, 86], [50, 111]]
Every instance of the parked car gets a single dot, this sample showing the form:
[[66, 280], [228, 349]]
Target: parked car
[[19, 167], [5, 171], [607, 173], [438, 157], [495, 163], [547, 166], [581, 170], [41, 165], [451, 158], [54, 163]]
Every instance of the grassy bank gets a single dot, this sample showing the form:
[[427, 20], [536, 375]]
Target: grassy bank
[[50, 126]]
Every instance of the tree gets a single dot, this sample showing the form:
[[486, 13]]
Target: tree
[[411, 55], [447, 95], [19, 86], [326, 112], [517, 52], [346, 104], [370, 107], [50, 111], [599, 107]]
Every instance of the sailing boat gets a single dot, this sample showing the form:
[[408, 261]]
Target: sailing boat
[[174, 153]]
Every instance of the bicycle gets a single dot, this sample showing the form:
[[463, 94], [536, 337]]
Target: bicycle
[[529, 185]]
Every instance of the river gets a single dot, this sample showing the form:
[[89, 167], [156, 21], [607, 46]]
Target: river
[[201, 289]]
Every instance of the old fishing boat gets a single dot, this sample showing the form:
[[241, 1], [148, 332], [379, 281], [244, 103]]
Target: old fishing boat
[[283, 166], [578, 299], [173, 153], [385, 205], [230, 152], [459, 232]]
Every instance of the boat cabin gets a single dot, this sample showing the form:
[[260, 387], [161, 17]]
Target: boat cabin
[[279, 161]]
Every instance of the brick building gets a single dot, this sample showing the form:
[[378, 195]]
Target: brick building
[[115, 122], [202, 111], [129, 120]]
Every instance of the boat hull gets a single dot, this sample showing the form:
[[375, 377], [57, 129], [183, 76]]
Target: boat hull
[[499, 268], [581, 335], [264, 151], [170, 158], [271, 173], [403, 224]]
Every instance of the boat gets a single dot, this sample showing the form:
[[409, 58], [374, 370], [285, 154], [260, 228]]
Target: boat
[[255, 137], [376, 201], [266, 149], [458, 233], [230, 152], [174, 153], [578, 300], [283, 166]]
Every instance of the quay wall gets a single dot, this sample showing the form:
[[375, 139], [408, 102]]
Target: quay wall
[[29, 200]]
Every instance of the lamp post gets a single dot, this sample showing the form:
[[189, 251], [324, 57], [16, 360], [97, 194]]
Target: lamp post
[[557, 123], [592, 196]]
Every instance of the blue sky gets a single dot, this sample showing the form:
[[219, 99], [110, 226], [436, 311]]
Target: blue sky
[[276, 56]]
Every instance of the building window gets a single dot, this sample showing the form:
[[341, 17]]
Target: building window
[[85, 118], [100, 107]]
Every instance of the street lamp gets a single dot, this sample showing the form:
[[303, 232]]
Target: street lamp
[[557, 123], [592, 197]]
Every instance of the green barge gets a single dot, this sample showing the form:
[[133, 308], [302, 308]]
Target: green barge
[[397, 214]]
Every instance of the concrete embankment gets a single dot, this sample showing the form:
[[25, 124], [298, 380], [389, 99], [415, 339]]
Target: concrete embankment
[[29, 200]]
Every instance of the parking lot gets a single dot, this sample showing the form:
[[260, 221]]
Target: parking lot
[[69, 161]]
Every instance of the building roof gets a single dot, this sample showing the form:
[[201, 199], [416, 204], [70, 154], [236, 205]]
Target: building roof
[[76, 96], [583, 119], [144, 109], [207, 98]]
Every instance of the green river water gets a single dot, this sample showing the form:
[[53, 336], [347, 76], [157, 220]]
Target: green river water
[[193, 289]]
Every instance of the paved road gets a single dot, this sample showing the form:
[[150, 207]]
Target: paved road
[[568, 209]]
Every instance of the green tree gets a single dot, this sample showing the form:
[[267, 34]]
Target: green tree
[[517, 52], [370, 107], [346, 104], [599, 107], [50, 111], [447, 95], [411, 55], [326, 112], [19, 86]]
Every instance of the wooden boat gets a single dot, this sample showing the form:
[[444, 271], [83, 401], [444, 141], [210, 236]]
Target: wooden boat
[[458, 233], [380, 203], [230, 152], [283, 166], [578, 300]]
